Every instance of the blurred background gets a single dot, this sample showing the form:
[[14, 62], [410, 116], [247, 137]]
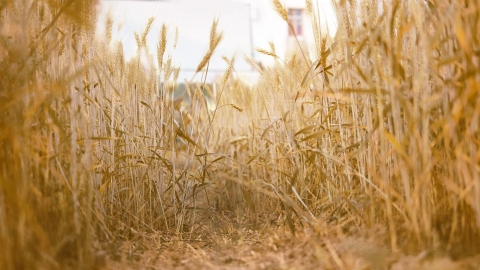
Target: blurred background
[[246, 24]]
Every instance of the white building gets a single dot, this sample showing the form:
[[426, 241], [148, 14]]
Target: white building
[[246, 24]]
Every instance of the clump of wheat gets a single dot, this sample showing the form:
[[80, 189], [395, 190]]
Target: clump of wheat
[[91, 153]]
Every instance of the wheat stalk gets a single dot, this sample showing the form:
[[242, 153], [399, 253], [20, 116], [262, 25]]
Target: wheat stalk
[[215, 39]]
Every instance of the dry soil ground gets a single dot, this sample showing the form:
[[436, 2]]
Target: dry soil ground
[[229, 243]]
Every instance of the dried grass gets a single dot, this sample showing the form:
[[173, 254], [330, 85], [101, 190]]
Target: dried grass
[[381, 161]]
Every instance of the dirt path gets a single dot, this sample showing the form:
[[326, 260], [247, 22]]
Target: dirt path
[[227, 246]]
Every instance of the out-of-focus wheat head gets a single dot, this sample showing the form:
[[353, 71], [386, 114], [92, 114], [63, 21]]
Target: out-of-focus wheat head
[[43, 191]]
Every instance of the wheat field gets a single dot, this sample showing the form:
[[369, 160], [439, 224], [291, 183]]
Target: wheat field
[[368, 158]]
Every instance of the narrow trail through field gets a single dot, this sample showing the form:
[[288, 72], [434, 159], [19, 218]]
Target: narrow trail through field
[[225, 243]]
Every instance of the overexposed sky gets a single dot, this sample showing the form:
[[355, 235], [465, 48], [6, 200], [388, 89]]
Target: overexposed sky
[[246, 24], [193, 19]]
